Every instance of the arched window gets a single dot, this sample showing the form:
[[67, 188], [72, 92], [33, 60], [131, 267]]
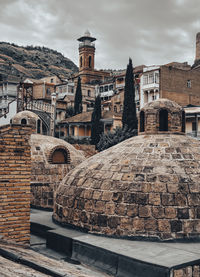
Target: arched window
[[24, 121], [183, 122], [90, 61], [81, 61], [163, 120], [38, 126], [142, 123], [59, 155]]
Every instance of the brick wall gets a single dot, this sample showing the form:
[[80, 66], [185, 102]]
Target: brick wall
[[15, 173], [173, 85]]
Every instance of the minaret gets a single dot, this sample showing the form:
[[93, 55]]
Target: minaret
[[86, 52], [197, 47]]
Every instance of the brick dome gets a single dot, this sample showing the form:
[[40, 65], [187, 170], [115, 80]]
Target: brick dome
[[147, 186]]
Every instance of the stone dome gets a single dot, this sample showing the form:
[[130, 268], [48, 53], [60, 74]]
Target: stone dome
[[147, 186], [51, 160], [26, 118]]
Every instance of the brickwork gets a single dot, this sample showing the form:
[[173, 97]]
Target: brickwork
[[15, 175], [173, 85], [46, 175], [189, 271], [151, 116], [146, 186]]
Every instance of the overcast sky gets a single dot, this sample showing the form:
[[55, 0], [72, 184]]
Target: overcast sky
[[148, 31]]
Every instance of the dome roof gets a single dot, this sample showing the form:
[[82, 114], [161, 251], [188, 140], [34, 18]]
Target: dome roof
[[24, 114], [47, 144], [147, 186]]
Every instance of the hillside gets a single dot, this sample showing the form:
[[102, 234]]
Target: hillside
[[34, 62]]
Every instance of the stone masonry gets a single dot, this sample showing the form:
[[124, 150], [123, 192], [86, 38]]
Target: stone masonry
[[147, 186], [15, 175]]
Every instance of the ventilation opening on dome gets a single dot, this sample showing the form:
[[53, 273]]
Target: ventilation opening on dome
[[183, 122], [163, 120], [24, 121], [59, 156], [142, 124]]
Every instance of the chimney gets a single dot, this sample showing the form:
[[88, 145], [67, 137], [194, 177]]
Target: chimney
[[197, 47]]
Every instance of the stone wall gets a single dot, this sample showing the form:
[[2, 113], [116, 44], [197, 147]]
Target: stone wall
[[15, 174], [189, 271]]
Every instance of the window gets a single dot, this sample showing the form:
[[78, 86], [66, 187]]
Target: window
[[90, 61], [151, 78], [157, 78], [189, 84], [183, 122], [110, 87], [89, 93], [142, 121], [145, 79], [163, 120], [101, 89], [81, 61], [115, 109], [23, 121], [48, 91], [106, 88], [121, 108], [51, 80]]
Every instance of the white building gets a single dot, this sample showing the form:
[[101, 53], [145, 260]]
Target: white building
[[149, 85]]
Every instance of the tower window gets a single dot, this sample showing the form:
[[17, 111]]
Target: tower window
[[23, 121], [142, 124], [183, 121], [115, 109], [81, 61], [163, 120], [90, 61], [89, 93]]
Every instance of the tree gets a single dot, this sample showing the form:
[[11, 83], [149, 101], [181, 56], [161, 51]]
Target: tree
[[129, 117], [78, 98], [97, 125], [114, 137]]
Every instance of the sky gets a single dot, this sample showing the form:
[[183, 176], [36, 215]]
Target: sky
[[148, 31]]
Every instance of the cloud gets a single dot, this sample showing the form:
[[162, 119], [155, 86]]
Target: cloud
[[151, 32]]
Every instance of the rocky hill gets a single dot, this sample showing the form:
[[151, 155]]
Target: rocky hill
[[33, 62]]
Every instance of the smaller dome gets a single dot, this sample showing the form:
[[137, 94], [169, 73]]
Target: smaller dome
[[160, 116], [25, 118]]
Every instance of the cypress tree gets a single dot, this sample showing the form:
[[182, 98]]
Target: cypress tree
[[97, 125], [78, 98], [129, 117]]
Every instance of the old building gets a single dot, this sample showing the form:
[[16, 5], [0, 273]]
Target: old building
[[79, 126]]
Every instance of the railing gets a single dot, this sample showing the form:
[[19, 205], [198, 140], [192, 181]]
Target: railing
[[81, 44]]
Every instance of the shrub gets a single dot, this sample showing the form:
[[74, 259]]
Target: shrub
[[114, 137]]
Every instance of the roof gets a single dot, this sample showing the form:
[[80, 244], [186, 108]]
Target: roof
[[85, 117]]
